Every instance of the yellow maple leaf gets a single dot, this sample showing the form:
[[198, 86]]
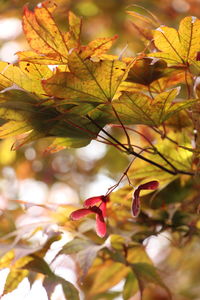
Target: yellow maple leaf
[[87, 81], [178, 47]]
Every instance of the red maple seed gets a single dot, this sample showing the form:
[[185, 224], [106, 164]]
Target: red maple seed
[[93, 200], [100, 212], [135, 207]]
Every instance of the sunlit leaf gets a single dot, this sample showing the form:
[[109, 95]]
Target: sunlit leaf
[[173, 79], [14, 278], [178, 47], [6, 260], [189, 37], [137, 108], [27, 77], [97, 47], [179, 157], [74, 26], [16, 274], [87, 81], [43, 34]]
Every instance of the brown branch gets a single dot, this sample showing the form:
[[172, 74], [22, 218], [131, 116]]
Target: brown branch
[[132, 152]]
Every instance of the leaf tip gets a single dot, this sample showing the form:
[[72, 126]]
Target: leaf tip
[[160, 29]]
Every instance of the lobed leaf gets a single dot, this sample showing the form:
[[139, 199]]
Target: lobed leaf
[[189, 31], [178, 47], [25, 113], [26, 76], [137, 108], [97, 48], [87, 81], [43, 34]]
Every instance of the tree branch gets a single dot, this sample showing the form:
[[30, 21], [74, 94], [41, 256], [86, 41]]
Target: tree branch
[[132, 152]]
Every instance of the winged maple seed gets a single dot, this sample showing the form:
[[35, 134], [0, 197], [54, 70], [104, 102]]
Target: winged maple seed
[[100, 212], [151, 185]]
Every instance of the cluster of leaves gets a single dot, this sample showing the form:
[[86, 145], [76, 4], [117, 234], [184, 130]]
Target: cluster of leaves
[[146, 107]]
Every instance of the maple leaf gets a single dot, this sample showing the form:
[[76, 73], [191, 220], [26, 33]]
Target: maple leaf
[[24, 113], [152, 75], [87, 81], [43, 34], [146, 70], [26, 76], [50, 44], [179, 156], [137, 108], [178, 47]]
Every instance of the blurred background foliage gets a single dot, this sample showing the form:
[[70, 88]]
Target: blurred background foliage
[[105, 18], [66, 178]]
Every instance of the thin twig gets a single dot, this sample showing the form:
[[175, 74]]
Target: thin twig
[[132, 152], [173, 141], [155, 149], [112, 188], [126, 133]]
